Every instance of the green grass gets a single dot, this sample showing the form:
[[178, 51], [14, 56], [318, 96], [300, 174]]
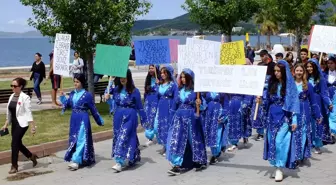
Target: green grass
[[68, 83], [52, 126]]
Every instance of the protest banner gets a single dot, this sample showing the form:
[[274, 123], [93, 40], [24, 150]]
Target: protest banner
[[235, 79], [112, 60], [61, 65], [323, 39], [232, 53], [152, 52], [212, 44], [192, 55], [173, 44]]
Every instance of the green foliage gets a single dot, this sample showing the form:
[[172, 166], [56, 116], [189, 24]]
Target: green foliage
[[221, 14], [89, 22], [268, 19]]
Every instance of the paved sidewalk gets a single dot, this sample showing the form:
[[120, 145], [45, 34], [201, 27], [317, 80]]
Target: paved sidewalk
[[243, 167]]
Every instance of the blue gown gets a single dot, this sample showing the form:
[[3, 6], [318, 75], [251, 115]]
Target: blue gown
[[167, 95], [247, 111], [321, 132], [80, 149], [186, 131], [125, 124], [332, 115], [151, 104], [278, 149], [213, 129], [234, 104], [302, 135], [259, 123]]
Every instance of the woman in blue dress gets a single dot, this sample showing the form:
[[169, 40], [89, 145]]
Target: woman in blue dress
[[320, 132], [213, 117], [128, 103], [330, 76], [186, 144], [260, 121], [80, 151], [167, 93], [308, 109], [235, 105], [151, 102], [282, 105]]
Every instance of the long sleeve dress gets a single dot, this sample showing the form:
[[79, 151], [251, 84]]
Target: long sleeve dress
[[80, 149], [235, 116], [214, 121], [259, 123], [125, 123], [321, 132], [167, 94], [277, 145], [331, 83], [151, 105], [302, 135], [186, 133]]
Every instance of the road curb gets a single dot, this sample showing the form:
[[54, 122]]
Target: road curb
[[47, 149]]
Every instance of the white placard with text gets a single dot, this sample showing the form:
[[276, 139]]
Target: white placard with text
[[61, 65]]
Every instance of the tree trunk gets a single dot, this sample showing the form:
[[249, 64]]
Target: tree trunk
[[269, 32], [299, 37], [228, 36], [90, 73]]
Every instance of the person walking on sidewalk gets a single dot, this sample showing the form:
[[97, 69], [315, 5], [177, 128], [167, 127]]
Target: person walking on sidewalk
[[55, 81], [38, 74], [19, 115]]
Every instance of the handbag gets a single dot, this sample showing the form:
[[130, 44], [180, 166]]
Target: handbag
[[4, 132]]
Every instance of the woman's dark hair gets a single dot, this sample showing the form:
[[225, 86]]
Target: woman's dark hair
[[21, 82], [169, 77], [149, 79], [38, 54], [316, 73], [51, 55], [76, 52], [81, 78], [274, 82], [129, 85], [333, 59], [189, 82]]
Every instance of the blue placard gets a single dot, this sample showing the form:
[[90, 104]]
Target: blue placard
[[152, 51]]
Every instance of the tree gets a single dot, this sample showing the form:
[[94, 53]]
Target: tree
[[268, 19], [89, 22], [297, 15], [220, 14]]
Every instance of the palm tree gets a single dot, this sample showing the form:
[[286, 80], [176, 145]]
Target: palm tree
[[267, 19]]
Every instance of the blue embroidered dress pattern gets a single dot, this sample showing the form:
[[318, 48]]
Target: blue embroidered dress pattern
[[332, 96], [81, 149], [321, 132], [151, 104], [281, 114], [125, 123]]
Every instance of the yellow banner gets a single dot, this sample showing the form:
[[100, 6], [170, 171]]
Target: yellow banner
[[232, 53], [247, 37]]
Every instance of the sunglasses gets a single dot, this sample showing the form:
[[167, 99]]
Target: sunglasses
[[15, 86]]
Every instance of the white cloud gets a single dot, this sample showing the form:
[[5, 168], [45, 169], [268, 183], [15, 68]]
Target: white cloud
[[11, 22], [21, 22]]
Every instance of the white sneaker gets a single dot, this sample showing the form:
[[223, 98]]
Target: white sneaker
[[73, 166], [232, 148], [164, 154], [278, 175], [117, 167], [149, 143], [318, 151]]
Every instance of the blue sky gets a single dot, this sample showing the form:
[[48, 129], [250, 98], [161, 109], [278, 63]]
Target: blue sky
[[13, 15]]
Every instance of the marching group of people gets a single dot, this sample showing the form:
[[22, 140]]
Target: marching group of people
[[295, 117]]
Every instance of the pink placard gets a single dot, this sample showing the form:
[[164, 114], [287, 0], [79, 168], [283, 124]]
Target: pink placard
[[173, 44]]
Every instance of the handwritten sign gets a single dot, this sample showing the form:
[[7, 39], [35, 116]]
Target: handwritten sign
[[173, 44], [212, 44], [62, 45], [323, 39], [112, 60], [152, 52], [192, 55], [235, 79], [232, 53]]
